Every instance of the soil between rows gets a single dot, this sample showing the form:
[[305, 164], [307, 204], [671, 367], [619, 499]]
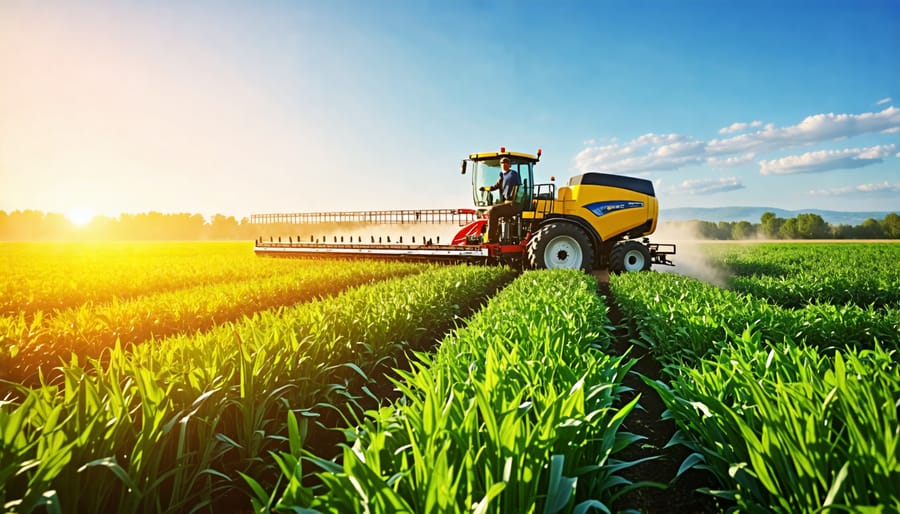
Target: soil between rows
[[679, 495]]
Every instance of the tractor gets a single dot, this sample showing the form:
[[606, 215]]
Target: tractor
[[595, 221]]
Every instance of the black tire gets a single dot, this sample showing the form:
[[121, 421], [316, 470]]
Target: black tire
[[561, 246], [629, 256]]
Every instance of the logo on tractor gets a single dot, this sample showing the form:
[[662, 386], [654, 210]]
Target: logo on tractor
[[601, 208]]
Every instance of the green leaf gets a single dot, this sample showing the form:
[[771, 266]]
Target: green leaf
[[689, 462], [836, 485], [111, 464]]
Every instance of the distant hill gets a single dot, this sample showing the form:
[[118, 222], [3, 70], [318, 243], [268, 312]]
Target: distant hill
[[752, 214]]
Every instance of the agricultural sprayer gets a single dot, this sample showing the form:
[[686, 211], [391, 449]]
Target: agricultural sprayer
[[596, 220]]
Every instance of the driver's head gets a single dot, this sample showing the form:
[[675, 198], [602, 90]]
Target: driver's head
[[504, 163]]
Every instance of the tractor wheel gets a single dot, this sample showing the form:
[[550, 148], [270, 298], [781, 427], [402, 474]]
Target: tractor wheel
[[629, 256], [561, 245]]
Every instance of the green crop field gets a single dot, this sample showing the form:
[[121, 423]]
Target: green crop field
[[197, 377]]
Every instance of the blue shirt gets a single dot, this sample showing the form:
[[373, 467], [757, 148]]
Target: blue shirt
[[507, 184]]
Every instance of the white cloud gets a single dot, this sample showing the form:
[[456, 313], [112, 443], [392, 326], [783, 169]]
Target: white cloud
[[648, 152], [731, 162], [658, 139], [884, 101], [706, 186], [813, 129], [739, 127], [826, 160], [884, 187], [657, 152], [680, 149]]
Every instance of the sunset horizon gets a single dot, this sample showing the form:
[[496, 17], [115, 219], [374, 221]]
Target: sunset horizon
[[240, 108]]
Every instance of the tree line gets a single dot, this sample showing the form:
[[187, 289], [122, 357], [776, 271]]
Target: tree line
[[802, 226], [31, 225]]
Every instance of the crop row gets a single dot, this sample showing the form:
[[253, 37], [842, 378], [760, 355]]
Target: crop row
[[50, 276], [685, 318], [793, 411], [513, 413], [28, 346], [794, 275], [170, 426]]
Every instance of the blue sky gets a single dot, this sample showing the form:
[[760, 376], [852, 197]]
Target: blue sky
[[246, 107]]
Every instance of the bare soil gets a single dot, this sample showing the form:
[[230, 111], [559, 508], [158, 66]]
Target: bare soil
[[675, 495]]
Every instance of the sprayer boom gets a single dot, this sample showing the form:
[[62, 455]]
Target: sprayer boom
[[409, 252], [349, 235], [458, 217]]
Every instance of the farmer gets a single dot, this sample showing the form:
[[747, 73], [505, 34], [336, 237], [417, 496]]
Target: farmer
[[508, 184]]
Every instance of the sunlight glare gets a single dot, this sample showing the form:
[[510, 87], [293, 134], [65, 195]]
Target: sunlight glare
[[80, 216]]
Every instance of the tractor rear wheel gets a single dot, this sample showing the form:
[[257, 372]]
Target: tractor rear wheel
[[629, 256], [561, 246]]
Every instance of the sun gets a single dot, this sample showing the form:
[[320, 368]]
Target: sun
[[80, 216]]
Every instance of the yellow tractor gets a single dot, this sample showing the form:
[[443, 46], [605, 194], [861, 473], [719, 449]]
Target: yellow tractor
[[597, 220]]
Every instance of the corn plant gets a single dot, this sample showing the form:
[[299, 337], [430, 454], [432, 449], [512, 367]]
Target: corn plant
[[686, 319], [513, 413], [787, 429], [169, 426], [40, 342], [56, 276], [794, 410], [794, 275]]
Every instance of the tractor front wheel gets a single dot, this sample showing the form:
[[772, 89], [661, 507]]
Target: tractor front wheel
[[629, 256], [561, 246]]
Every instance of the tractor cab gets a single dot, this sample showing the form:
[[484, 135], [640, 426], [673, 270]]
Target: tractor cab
[[485, 170]]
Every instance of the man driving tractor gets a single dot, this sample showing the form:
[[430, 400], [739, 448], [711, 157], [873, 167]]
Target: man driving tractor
[[508, 184]]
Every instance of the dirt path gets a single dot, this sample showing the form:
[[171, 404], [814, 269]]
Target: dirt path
[[679, 496]]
